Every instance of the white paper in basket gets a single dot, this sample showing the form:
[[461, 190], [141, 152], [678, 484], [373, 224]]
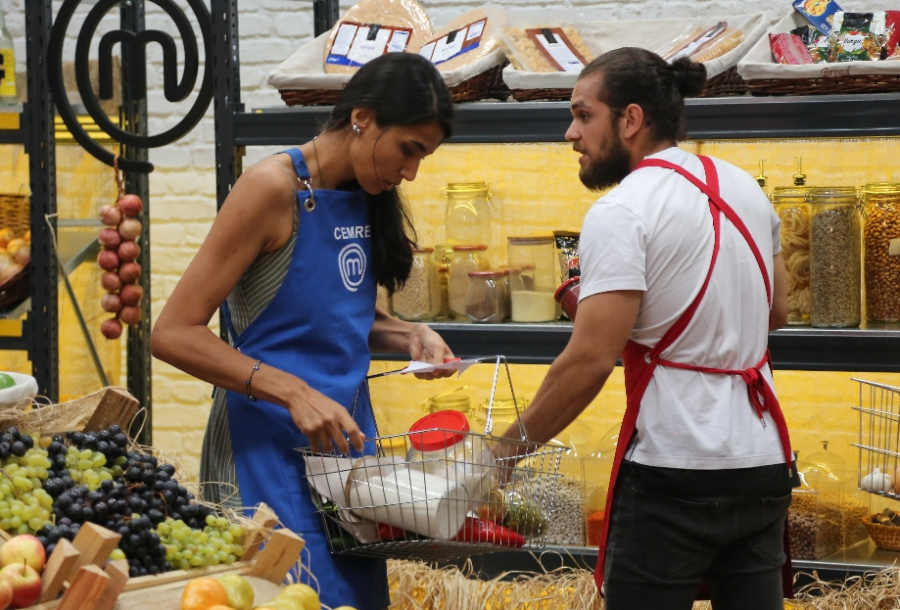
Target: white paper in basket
[[646, 34], [21, 394], [304, 70], [328, 476], [759, 64]]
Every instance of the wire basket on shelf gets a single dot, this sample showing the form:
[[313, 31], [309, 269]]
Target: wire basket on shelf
[[879, 438], [437, 493]]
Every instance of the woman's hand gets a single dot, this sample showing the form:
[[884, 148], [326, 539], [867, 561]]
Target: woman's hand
[[428, 346], [325, 423]]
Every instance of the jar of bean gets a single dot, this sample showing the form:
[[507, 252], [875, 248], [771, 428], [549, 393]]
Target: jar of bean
[[420, 297], [882, 251], [834, 258], [466, 258], [793, 208]]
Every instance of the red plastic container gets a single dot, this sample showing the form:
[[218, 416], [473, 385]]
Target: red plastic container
[[567, 296]]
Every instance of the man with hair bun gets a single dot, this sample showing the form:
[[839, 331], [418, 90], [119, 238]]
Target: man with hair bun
[[682, 277]]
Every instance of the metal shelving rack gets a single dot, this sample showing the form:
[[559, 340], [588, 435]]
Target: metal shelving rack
[[867, 349]]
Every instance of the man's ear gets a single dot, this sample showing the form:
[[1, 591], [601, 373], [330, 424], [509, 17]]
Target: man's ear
[[631, 121]]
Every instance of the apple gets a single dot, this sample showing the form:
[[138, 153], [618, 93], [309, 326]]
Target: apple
[[23, 549], [304, 594], [6, 594], [26, 584]]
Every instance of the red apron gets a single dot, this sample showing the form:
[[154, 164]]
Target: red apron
[[641, 361]]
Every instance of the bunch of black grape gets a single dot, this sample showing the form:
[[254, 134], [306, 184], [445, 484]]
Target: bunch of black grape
[[163, 495]]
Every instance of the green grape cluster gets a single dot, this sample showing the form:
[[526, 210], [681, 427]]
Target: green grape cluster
[[24, 505], [90, 468], [220, 542]]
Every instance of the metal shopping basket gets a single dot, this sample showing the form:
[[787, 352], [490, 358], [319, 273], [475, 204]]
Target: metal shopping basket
[[879, 437], [438, 494]]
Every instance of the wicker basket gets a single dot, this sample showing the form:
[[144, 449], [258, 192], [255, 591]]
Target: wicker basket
[[884, 536], [486, 85], [726, 84], [16, 290], [15, 213], [850, 83]]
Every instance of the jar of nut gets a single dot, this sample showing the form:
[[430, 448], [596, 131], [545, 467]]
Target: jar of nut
[[793, 208], [882, 251], [834, 258], [420, 297]]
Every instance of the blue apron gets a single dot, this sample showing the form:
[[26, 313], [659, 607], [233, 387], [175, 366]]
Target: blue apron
[[317, 328]]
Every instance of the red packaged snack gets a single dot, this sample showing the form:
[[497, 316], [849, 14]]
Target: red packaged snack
[[789, 49], [892, 27]]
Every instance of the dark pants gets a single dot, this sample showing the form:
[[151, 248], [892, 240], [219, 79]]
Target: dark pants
[[662, 545]]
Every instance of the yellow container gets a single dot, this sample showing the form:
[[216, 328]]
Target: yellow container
[[881, 243], [505, 413], [468, 217]]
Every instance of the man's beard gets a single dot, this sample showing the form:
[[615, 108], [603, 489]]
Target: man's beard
[[610, 168]]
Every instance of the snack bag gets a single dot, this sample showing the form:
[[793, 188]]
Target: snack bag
[[789, 49], [372, 28], [820, 13], [817, 45], [461, 42], [854, 39], [892, 31]]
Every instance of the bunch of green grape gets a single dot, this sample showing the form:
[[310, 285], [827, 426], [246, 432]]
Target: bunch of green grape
[[220, 542], [25, 506], [89, 468]]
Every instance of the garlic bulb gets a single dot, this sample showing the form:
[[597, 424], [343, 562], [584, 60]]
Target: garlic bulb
[[877, 482]]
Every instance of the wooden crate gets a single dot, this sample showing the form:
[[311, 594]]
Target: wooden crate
[[89, 413], [90, 582]]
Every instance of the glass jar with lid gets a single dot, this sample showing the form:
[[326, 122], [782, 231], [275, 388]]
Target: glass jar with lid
[[442, 444], [454, 400], [793, 208], [537, 258], [420, 297], [486, 298], [443, 254], [466, 258], [882, 251], [468, 216], [504, 414], [834, 258]]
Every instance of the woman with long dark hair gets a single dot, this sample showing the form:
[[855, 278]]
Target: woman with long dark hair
[[295, 255]]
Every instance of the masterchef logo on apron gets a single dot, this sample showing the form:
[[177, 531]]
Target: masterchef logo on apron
[[352, 263]]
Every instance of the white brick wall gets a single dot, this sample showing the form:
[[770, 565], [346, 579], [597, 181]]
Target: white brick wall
[[183, 185]]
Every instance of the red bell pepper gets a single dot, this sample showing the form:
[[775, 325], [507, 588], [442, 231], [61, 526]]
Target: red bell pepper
[[479, 530], [389, 532]]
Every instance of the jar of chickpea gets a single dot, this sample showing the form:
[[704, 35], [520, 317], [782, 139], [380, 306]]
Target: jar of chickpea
[[882, 251]]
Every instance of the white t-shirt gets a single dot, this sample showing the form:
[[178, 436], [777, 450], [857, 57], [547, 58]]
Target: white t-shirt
[[654, 233]]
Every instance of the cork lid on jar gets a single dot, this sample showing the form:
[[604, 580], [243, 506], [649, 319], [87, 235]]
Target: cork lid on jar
[[469, 248], [489, 273], [423, 250]]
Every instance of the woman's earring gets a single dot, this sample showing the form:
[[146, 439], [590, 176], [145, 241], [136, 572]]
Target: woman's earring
[[357, 130]]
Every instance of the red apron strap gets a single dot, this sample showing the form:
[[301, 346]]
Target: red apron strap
[[717, 200]]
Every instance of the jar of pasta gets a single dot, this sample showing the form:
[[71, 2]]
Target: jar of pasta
[[793, 208], [420, 297], [834, 257], [882, 251], [465, 259]]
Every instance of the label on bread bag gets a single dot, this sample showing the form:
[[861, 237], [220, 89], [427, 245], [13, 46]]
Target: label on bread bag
[[455, 43], [356, 44], [557, 48]]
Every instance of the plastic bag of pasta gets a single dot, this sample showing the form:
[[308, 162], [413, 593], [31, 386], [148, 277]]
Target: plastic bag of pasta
[[857, 37], [702, 43], [372, 28]]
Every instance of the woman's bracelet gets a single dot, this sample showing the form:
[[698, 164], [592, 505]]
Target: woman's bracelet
[[249, 381]]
